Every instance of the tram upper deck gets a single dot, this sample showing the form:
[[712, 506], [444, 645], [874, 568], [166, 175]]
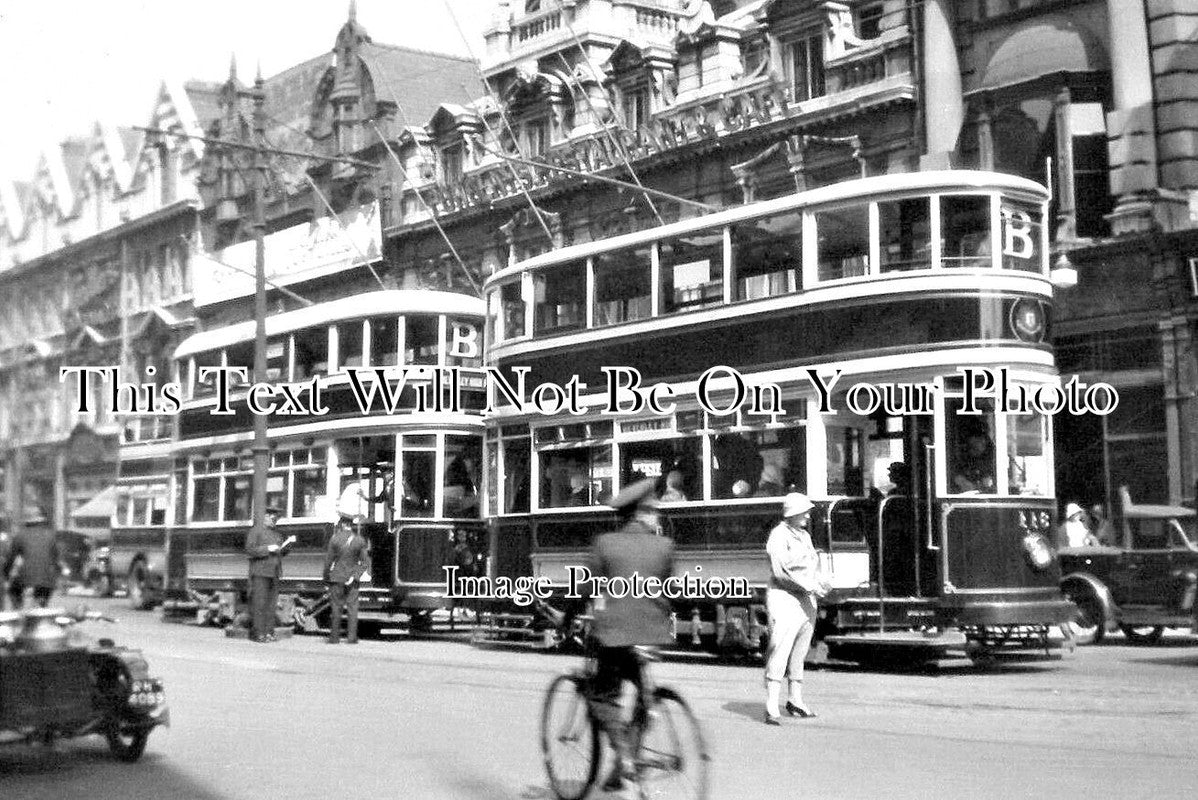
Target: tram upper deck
[[853, 263]]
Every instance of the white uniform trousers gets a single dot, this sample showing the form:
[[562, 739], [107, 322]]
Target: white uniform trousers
[[792, 622]]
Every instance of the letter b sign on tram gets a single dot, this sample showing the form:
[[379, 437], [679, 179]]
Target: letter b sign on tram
[[463, 340]]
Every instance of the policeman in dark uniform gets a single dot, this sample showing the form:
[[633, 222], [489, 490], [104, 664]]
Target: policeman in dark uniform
[[620, 623], [265, 549]]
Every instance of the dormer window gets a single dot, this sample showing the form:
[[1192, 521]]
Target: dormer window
[[869, 20], [804, 64], [536, 137], [636, 107], [532, 6], [453, 161]]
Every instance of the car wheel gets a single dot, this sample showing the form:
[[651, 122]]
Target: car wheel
[[1088, 624], [135, 585], [1143, 634], [126, 743]]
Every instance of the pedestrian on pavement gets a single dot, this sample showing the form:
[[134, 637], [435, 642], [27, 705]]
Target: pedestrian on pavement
[[34, 560], [265, 548], [795, 585], [346, 567], [622, 623]]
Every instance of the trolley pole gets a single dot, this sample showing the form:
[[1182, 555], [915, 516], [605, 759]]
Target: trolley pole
[[260, 449]]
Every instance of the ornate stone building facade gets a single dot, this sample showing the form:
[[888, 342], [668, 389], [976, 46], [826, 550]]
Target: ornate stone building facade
[[94, 270]]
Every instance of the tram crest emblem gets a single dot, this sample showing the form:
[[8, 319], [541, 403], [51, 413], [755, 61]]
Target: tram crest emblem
[[1028, 320]]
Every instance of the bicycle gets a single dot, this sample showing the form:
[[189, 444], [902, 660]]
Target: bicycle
[[669, 753]]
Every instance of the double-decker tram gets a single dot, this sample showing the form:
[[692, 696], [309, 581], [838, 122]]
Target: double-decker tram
[[362, 403], [820, 342]]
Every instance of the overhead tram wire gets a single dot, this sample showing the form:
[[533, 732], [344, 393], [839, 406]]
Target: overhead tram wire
[[293, 154], [432, 214], [506, 121], [615, 109], [378, 132], [333, 214], [617, 145]]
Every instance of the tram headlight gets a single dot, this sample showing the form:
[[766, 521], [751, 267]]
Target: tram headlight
[[1038, 553]]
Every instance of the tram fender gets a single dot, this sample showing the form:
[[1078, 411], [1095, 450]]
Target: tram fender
[[1085, 582]]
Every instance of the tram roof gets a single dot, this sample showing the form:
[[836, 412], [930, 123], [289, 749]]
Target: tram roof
[[392, 301], [900, 184]]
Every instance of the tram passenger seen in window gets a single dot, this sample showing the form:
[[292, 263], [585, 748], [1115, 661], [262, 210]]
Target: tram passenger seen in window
[[974, 470]]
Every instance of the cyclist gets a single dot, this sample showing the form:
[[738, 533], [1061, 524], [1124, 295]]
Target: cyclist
[[621, 623]]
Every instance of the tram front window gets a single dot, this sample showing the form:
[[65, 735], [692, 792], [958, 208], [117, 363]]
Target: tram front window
[[384, 342], [971, 453], [676, 465], [419, 469], [965, 222], [349, 344], [421, 345], [1027, 454], [463, 454], [516, 466], [767, 254], [510, 320]]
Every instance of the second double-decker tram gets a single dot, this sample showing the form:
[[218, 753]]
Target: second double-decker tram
[[362, 403], [879, 293]]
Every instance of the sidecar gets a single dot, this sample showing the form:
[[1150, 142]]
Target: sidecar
[[53, 685]]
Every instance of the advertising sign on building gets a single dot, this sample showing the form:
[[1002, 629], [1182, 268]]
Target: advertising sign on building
[[302, 252]]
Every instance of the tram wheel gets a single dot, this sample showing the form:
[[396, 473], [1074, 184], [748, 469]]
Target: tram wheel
[[1143, 634]]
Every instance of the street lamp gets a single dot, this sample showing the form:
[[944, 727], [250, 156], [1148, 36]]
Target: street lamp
[[1063, 274]]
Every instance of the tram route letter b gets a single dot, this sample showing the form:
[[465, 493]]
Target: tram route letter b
[[624, 395]]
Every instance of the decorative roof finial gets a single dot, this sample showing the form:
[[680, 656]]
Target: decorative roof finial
[[353, 10], [233, 67]]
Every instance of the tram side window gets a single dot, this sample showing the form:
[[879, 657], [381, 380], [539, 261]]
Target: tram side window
[[767, 255], [675, 464], [846, 460], [517, 461], [1022, 224], [623, 285], [311, 353], [276, 359], [384, 342], [905, 234], [206, 384], [971, 453], [421, 345], [238, 489], [579, 476], [765, 463], [419, 465], [241, 355], [692, 270], [560, 295], [965, 223], [843, 242], [463, 455], [1027, 454], [509, 316], [349, 344]]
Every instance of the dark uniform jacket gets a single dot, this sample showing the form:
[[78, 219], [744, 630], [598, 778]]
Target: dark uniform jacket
[[263, 563], [632, 620], [41, 559], [348, 556]]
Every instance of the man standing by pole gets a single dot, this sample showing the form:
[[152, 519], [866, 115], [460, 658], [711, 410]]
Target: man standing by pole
[[265, 549]]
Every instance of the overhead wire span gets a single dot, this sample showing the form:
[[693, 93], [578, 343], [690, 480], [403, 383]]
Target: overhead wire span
[[507, 123]]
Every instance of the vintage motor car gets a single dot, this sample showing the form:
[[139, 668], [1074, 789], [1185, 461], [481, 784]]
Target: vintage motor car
[[1143, 583], [54, 684]]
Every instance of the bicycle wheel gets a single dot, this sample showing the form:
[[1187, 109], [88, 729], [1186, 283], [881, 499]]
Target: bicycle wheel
[[569, 738], [671, 754]]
